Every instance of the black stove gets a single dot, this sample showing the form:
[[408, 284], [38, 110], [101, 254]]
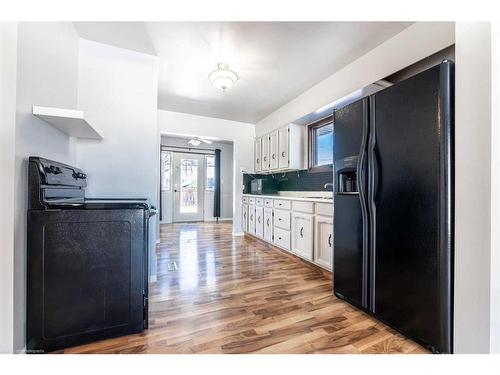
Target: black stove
[[87, 260]]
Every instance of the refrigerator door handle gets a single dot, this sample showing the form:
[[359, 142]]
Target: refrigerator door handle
[[373, 179], [360, 171]]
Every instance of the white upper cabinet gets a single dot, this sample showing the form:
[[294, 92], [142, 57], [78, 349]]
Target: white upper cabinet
[[258, 155], [281, 150], [273, 150], [284, 142], [265, 153]]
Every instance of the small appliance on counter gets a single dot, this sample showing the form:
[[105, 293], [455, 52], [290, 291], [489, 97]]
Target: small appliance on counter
[[87, 271], [262, 186]]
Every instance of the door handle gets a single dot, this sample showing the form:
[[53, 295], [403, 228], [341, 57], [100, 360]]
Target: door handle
[[274, 156], [251, 217], [258, 219], [258, 160], [330, 240], [265, 158], [267, 222], [283, 153], [302, 232]]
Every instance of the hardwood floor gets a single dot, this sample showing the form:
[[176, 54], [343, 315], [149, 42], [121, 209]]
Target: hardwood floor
[[222, 294]]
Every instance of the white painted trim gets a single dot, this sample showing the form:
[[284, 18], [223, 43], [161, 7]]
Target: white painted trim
[[220, 219], [153, 279], [238, 234], [157, 242]]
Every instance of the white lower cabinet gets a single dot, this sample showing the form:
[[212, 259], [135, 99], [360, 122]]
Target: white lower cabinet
[[323, 241], [268, 224], [251, 219], [244, 218], [304, 228], [259, 221], [282, 238], [302, 235]]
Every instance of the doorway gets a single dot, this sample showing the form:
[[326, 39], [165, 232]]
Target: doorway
[[188, 178]]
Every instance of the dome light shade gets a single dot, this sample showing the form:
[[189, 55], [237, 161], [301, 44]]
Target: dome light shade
[[222, 77]]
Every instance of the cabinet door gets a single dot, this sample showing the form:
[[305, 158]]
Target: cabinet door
[[273, 150], [265, 153], [323, 241], [244, 218], [259, 221], [251, 219], [268, 224], [283, 147], [302, 235], [258, 155]]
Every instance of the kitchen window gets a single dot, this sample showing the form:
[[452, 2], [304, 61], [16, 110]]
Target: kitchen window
[[321, 144], [166, 170], [210, 163]]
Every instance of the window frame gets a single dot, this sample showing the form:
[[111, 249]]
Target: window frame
[[206, 172], [311, 144]]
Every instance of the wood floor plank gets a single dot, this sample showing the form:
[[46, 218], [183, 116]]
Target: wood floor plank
[[227, 294]]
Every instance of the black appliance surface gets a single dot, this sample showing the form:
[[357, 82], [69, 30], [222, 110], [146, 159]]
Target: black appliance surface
[[87, 261], [404, 173]]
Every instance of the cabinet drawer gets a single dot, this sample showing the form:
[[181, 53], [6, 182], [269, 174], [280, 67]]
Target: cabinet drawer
[[307, 207], [245, 199], [268, 203], [251, 200], [259, 201], [282, 219], [283, 204], [282, 238], [325, 209]]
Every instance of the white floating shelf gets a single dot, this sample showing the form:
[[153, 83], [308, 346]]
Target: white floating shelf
[[69, 121]]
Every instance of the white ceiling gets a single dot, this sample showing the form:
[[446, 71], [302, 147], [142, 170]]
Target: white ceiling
[[276, 61]]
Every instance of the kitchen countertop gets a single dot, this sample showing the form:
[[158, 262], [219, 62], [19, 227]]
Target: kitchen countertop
[[291, 198]]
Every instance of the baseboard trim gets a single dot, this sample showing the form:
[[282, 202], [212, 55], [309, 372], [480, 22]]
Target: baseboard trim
[[153, 279], [238, 234]]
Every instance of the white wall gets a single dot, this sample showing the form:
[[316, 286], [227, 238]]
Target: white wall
[[411, 45], [47, 75], [118, 92], [226, 181], [240, 133], [472, 187], [495, 188], [8, 68]]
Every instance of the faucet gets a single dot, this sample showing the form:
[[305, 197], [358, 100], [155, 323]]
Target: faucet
[[328, 184]]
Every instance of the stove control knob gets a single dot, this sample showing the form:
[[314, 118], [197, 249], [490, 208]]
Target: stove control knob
[[47, 170], [55, 170]]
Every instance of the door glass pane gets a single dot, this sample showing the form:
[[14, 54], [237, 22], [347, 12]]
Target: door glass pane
[[189, 186], [210, 160], [166, 167]]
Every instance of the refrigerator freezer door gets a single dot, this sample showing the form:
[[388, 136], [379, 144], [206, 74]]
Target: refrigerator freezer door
[[350, 233], [409, 189]]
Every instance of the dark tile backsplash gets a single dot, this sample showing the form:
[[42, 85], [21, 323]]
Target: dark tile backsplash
[[293, 181]]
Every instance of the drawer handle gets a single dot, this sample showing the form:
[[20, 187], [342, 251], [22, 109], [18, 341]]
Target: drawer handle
[[302, 232], [279, 204], [279, 238], [279, 219], [330, 240]]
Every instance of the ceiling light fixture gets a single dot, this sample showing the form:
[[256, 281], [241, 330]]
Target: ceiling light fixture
[[197, 141], [222, 77]]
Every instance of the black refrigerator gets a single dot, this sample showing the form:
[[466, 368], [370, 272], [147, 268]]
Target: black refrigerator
[[393, 206]]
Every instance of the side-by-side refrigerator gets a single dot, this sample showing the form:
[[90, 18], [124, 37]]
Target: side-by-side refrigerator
[[393, 217]]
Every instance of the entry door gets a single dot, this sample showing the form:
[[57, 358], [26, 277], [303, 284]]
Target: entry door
[[188, 187]]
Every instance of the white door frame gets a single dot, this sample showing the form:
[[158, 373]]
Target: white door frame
[[179, 216]]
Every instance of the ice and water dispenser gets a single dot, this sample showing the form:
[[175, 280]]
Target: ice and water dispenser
[[346, 176]]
